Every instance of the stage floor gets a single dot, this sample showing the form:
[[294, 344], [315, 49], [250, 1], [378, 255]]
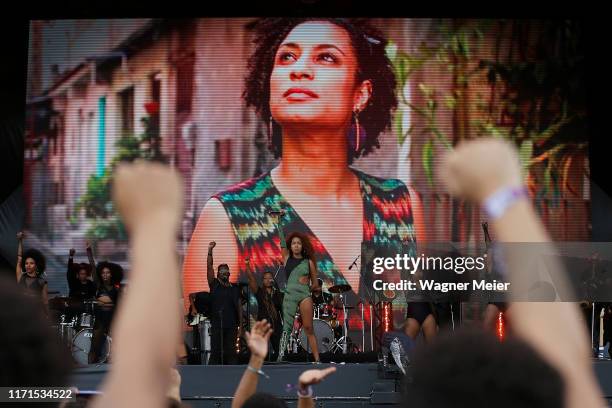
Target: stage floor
[[353, 384]]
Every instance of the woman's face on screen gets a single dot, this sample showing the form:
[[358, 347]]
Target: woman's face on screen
[[313, 79]]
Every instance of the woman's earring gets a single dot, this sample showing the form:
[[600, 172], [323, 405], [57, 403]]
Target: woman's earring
[[356, 135]]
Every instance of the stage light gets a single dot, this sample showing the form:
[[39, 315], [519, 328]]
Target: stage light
[[500, 326], [387, 317]]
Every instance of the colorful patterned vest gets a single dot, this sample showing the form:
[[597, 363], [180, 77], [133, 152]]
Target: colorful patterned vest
[[387, 227]]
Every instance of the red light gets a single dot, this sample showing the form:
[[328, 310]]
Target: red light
[[500, 326], [386, 317]]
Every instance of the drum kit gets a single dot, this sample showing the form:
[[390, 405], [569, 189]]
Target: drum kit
[[75, 327], [329, 326], [332, 336]]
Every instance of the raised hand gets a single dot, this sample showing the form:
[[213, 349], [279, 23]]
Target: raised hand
[[311, 377], [211, 245], [257, 339], [71, 252], [477, 168], [146, 193], [20, 235]]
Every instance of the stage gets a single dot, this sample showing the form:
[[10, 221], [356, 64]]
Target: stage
[[353, 384]]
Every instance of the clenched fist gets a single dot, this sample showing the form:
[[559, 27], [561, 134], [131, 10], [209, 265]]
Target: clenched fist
[[477, 168], [148, 192]]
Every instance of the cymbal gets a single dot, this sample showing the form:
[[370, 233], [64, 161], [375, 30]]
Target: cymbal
[[339, 288]]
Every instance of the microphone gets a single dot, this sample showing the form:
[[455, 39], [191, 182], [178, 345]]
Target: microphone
[[354, 262], [275, 287], [276, 274]]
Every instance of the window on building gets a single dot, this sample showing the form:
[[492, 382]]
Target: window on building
[[156, 87], [155, 103], [184, 84], [126, 99]]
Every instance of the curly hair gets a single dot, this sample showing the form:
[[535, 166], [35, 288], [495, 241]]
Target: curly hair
[[116, 271], [373, 65], [479, 369], [307, 249], [31, 351], [261, 399], [39, 260]]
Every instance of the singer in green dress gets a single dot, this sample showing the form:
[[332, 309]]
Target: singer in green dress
[[300, 270]]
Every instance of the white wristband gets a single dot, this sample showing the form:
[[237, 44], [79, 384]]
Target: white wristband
[[257, 371], [307, 394], [497, 203]]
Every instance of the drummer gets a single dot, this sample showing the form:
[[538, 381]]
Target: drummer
[[332, 308], [81, 286], [320, 298], [107, 277]]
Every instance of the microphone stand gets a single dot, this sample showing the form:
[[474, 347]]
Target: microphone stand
[[345, 318], [371, 328], [361, 278], [362, 329], [248, 307]]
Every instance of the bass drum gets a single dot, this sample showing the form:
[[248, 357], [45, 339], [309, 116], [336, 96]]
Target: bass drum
[[324, 334], [81, 344]]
